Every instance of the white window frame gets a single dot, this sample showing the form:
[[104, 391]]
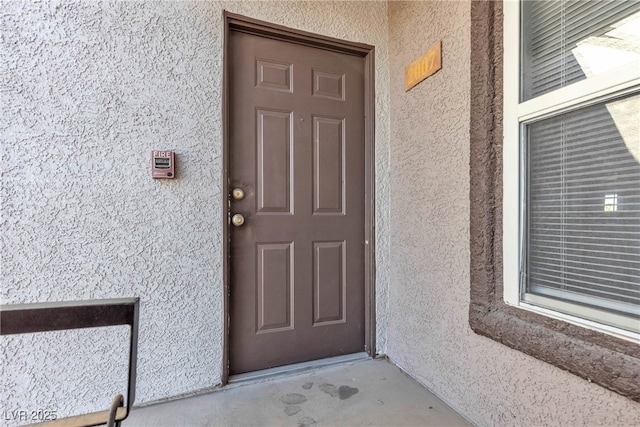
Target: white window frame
[[618, 82]]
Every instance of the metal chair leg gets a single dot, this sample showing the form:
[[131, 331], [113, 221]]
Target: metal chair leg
[[117, 402]]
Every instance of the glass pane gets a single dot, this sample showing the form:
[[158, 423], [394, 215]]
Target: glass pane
[[583, 206], [567, 41]]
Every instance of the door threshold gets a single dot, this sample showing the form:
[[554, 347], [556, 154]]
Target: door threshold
[[296, 368]]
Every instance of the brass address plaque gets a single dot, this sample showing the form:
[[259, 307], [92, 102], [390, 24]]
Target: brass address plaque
[[423, 67]]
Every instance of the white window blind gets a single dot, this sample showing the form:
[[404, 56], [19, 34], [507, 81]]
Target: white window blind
[[580, 163], [567, 41], [583, 216]]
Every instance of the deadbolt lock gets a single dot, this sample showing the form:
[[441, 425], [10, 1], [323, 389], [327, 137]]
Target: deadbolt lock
[[237, 193], [237, 220]]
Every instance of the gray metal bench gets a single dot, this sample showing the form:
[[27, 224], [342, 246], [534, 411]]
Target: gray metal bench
[[58, 316]]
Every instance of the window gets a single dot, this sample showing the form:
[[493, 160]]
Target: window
[[571, 162], [607, 359]]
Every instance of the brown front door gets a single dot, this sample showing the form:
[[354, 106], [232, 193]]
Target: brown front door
[[296, 141]]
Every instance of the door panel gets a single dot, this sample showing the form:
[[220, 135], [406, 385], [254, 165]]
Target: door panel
[[297, 150], [328, 85], [273, 75], [275, 166], [328, 165], [275, 287], [329, 280]]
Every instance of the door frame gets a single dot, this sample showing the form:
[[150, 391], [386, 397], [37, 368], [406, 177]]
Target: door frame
[[235, 22]]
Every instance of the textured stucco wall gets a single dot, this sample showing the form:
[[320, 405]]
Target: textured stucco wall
[[88, 89], [428, 329]]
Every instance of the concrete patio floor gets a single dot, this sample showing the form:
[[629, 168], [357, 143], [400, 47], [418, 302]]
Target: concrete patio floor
[[356, 393]]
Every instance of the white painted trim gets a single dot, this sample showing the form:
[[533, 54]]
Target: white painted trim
[[511, 155], [618, 82], [580, 321]]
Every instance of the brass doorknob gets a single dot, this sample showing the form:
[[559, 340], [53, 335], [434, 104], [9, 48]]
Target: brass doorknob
[[237, 220], [237, 194]]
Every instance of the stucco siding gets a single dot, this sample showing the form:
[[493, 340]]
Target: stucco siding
[[429, 334], [88, 90]]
